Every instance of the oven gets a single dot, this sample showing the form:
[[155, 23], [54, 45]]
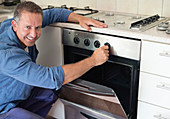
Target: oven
[[108, 91], [117, 78]]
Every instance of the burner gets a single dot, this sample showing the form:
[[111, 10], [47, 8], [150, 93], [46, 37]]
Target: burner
[[119, 22], [83, 12], [109, 14], [64, 6], [168, 31], [136, 17], [163, 26]]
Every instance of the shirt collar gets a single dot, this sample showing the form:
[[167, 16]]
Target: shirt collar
[[12, 35]]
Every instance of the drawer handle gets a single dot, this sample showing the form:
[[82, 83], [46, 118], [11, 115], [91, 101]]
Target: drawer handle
[[164, 86], [166, 54], [160, 117]]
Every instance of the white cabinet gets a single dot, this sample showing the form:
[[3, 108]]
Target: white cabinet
[[154, 82], [51, 54], [155, 58], [154, 89], [50, 47], [149, 111]]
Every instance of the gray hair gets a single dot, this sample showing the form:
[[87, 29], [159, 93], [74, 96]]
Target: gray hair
[[26, 6]]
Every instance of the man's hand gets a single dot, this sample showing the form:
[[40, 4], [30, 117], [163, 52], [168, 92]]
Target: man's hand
[[85, 22], [100, 55], [75, 70]]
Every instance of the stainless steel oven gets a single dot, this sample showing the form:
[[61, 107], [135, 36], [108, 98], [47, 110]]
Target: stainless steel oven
[[119, 76]]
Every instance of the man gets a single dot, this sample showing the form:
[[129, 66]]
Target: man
[[28, 90]]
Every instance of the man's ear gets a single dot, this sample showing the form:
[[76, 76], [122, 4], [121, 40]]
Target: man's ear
[[14, 25]]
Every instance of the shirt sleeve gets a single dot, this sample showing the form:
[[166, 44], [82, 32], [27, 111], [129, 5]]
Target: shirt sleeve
[[17, 64], [55, 15], [5, 25]]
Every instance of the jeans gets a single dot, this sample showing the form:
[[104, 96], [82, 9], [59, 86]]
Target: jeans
[[36, 106]]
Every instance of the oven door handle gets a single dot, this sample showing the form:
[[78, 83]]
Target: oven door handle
[[89, 87]]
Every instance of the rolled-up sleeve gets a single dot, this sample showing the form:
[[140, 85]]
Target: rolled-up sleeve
[[55, 15], [18, 65]]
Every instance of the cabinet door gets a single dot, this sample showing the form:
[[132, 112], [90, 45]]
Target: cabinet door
[[148, 111], [155, 58], [50, 47], [154, 89]]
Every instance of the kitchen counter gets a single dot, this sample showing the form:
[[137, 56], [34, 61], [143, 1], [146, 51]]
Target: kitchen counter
[[6, 12], [151, 35]]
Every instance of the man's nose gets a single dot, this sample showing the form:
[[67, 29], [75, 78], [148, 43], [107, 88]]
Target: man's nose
[[33, 33]]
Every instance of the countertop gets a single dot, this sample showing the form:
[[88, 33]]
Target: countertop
[[150, 35], [6, 12]]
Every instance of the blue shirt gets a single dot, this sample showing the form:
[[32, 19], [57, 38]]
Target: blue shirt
[[18, 71]]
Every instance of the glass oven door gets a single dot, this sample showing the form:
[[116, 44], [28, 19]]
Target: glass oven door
[[119, 74]]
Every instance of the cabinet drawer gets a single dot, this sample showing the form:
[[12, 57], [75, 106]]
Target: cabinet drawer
[[154, 89], [155, 58], [148, 111]]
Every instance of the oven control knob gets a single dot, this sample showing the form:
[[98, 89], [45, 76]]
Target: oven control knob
[[76, 40], [97, 44], [86, 42]]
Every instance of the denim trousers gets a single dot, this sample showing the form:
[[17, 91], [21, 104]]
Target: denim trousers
[[36, 106]]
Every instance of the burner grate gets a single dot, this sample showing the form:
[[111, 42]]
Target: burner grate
[[81, 11]]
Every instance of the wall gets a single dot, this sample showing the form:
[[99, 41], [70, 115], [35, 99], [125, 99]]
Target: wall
[[146, 7]]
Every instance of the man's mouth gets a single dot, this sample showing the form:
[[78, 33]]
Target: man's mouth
[[30, 38]]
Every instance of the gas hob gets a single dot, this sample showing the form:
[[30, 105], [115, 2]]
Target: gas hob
[[123, 21], [128, 22]]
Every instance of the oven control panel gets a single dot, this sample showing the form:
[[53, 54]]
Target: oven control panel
[[120, 46]]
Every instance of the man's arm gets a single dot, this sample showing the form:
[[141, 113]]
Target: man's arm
[[62, 15], [85, 22], [73, 71]]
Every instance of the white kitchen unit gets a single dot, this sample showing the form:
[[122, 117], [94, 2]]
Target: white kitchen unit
[[154, 83], [51, 54], [50, 43]]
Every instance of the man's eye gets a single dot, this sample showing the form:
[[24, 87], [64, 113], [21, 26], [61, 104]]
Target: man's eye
[[37, 28], [28, 27]]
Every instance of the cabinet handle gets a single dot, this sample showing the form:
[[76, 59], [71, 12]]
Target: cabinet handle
[[164, 86], [165, 53], [160, 116]]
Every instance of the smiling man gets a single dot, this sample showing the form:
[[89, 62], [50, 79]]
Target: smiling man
[[28, 90], [26, 28]]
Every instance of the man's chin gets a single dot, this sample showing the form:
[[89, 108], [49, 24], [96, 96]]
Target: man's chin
[[30, 44]]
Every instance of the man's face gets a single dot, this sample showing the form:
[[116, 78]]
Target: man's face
[[28, 29]]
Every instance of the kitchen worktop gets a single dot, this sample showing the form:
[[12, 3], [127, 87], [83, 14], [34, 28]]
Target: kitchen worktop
[[6, 12], [151, 35]]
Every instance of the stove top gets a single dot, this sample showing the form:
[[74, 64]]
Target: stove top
[[122, 21], [130, 22]]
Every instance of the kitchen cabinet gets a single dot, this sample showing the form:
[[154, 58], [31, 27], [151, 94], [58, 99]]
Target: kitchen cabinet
[[51, 54], [154, 82], [149, 111], [155, 58], [50, 47]]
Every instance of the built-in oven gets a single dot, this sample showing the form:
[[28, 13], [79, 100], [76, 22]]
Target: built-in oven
[[119, 76]]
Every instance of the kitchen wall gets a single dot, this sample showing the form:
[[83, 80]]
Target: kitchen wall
[[146, 7]]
